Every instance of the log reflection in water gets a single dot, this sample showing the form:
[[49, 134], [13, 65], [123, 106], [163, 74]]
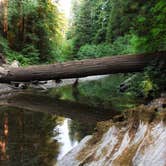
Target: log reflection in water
[[43, 103]]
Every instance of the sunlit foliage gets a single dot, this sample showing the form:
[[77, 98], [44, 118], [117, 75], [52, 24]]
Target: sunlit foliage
[[34, 30]]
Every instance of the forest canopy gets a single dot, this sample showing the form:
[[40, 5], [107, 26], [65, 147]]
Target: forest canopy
[[125, 26], [32, 31]]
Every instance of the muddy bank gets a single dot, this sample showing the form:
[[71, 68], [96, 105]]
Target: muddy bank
[[138, 137], [45, 85]]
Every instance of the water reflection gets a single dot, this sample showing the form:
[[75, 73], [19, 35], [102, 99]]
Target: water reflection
[[34, 138], [64, 138], [32, 133], [41, 102], [36, 128], [70, 134], [26, 138]]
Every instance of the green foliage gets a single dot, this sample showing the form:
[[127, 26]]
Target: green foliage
[[34, 30], [98, 28], [90, 22], [138, 44], [103, 21], [31, 53], [3, 45], [64, 52], [146, 86], [94, 51], [157, 73], [151, 82], [10, 54], [83, 28], [150, 27], [121, 18], [121, 46], [112, 27]]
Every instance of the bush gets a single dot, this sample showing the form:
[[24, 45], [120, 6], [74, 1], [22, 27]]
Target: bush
[[31, 53], [121, 46], [151, 82], [12, 55], [64, 51]]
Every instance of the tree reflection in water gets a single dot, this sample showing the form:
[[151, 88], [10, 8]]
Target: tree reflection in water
[[26, 138], [79, 130]]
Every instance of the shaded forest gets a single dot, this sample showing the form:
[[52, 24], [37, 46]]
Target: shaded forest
[[35, 32]]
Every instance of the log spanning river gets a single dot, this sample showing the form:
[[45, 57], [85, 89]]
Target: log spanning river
[[43, 128]]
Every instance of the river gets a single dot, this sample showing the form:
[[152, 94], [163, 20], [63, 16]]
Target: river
[[40, 127], [36, 137]]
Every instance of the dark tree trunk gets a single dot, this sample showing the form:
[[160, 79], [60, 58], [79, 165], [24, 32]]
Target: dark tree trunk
[[76, 69]]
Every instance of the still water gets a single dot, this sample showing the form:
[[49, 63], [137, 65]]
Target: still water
[[36, 129], [64, 138], [33, 138]]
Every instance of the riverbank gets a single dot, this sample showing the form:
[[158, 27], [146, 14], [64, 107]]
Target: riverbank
[[44, 85], [137, 137], [8, 90]]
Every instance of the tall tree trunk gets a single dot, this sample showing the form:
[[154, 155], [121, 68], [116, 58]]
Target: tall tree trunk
[[5, 18], [21, 24]]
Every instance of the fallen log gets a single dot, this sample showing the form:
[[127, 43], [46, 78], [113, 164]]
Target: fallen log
[[82, 68]]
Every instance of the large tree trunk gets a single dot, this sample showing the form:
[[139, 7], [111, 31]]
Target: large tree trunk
[[76, 69], [4, 16]]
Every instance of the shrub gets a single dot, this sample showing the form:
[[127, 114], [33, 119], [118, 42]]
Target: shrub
[[12, 55], [121, 46], [31, 53]]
